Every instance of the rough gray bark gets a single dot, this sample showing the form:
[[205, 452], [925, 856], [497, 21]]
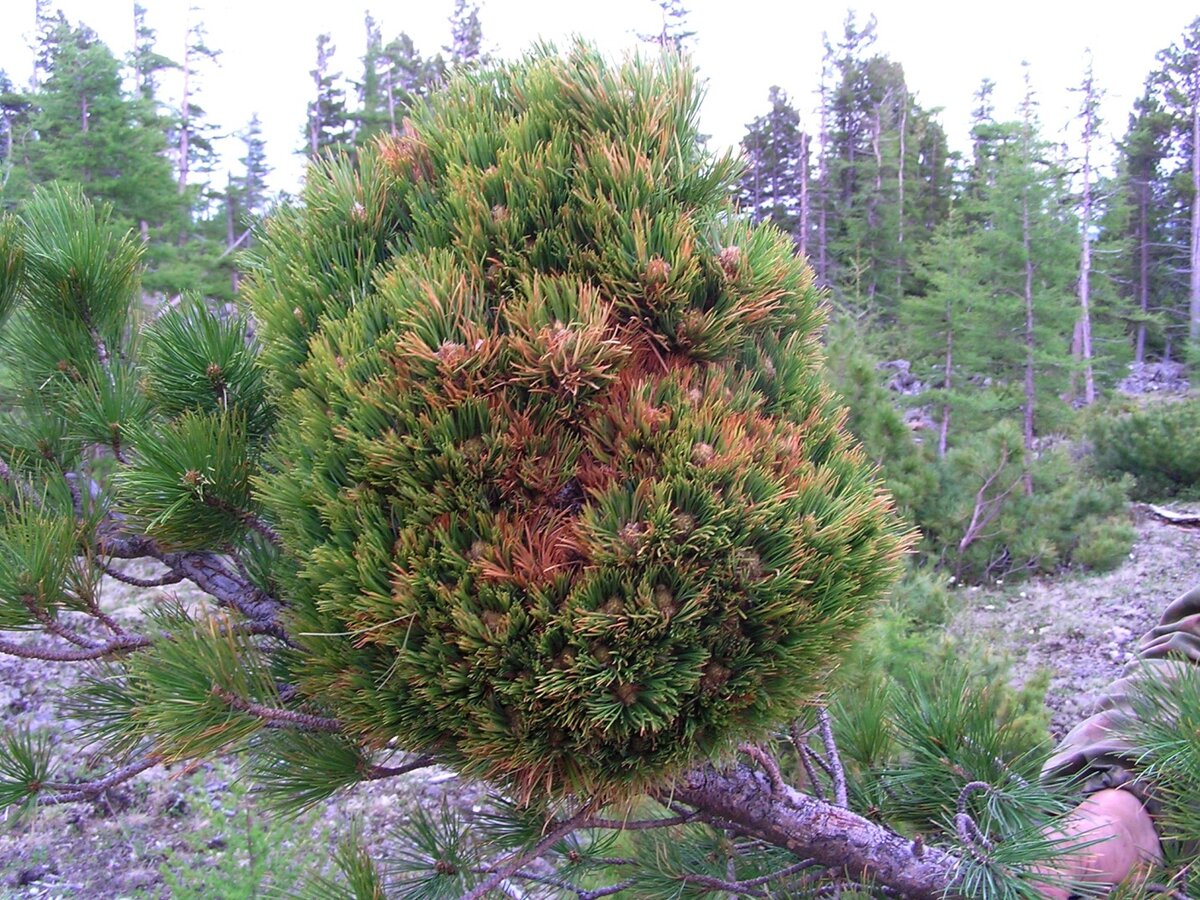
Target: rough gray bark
[[830, 835]]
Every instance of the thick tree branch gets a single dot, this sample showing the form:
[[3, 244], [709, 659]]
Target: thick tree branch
[[74, 792], [55, 654], [830, 835], [204, 569]]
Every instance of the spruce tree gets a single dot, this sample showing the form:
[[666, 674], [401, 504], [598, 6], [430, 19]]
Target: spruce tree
[[774, 183], [1177, 83], [15, 107], [90, 133], [1138, 266], [534, 475], [328, 120], [884, 176], [466, 35]]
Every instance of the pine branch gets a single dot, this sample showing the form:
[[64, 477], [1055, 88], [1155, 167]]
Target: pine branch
[[100, 651], [203, 568], [564, 885], [832, 836], [75, 792], [519, 859], [720, 884], [837, 773], [608, 891], [161, 581], [275, 717], [643, 824], [769, 765], [968, 830], [807, 757], [375, 773], [247, 518]]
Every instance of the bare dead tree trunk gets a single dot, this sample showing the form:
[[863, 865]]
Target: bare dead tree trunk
[[1030, 380], [1194, 285], [391, 101], [184, 117], [1143, 267], [1085, 241], [823, 184], [230, 236], [900, 201], [877, 195], [802, 226], [1027, 255], [947, 384]]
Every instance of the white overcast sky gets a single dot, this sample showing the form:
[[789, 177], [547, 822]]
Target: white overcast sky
[[742, 47]]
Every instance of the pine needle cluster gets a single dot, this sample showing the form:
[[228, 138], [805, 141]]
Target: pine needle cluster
[[568, 501]]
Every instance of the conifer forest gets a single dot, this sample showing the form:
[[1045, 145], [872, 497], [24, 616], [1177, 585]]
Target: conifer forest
[[544, 502]]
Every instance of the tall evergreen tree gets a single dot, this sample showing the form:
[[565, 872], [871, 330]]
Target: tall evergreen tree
[[884, 175], [1140, 260], [775, 181], [1090, 121], [88, 132], [251, 183], [145, 60], [466, 35], [674, 33], [1178, 82], [193, 144], [994, 329], [15, 107], [328, 120], [406, 78], [371, 117]]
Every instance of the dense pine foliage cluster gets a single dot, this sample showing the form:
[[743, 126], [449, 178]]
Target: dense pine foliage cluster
[[569, 499]]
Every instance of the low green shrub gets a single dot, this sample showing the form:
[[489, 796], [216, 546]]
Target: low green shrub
[[983, 525], [975, 518], [1158, 445]]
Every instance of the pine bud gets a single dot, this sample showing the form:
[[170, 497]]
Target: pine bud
[[626, 693], [730, 260], [658, 271], [665, 601], [633, 534]]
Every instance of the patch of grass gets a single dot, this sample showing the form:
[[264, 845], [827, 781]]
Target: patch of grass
[[240, 848]]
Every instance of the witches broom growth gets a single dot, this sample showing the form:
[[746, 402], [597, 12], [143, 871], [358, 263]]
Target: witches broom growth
[[564, 498]]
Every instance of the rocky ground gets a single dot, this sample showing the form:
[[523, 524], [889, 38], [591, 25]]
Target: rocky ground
[[1084, 628], [193, 831]]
